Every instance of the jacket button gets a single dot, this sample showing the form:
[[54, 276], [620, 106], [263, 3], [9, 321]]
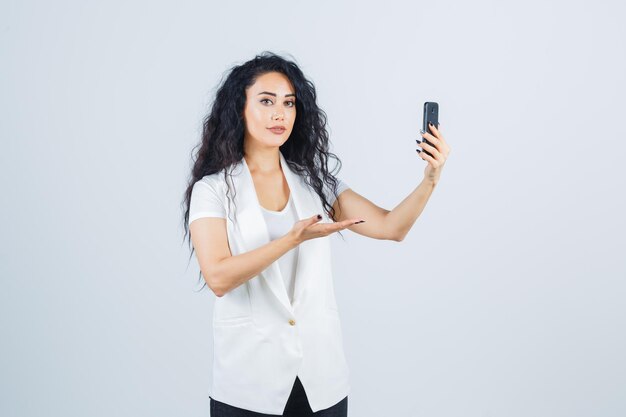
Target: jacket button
[[292, 322]]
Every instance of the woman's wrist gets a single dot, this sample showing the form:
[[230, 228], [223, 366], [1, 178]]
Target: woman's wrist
[[291, 240]]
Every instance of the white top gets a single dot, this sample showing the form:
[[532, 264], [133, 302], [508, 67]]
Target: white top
[[205, 202], [279, 223]]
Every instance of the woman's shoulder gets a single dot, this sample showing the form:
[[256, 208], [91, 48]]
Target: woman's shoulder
[[212, 179], [218, 179]]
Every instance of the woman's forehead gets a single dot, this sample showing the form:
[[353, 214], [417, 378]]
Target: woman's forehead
[[273, 83]]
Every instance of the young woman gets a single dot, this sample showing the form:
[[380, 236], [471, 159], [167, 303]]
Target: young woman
[[260, 206]]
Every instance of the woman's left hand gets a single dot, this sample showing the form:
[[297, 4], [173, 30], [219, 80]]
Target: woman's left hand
[[440, 151]]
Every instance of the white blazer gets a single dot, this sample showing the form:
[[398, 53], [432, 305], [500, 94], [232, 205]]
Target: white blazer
[[261, 341]]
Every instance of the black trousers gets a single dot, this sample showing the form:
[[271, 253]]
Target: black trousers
[[297, 406]]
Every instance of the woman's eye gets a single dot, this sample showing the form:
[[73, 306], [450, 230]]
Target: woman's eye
[[293, 103]]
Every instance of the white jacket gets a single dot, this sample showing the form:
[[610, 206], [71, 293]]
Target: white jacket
[[261, 341]]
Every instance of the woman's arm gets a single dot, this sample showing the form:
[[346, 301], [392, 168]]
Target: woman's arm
[[402, 218], [395, 224], [221, 270], [381, 223]]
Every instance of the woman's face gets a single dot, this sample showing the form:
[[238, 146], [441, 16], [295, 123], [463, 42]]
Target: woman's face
[[270, 101]]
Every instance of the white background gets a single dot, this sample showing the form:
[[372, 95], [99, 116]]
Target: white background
[[505, 299]]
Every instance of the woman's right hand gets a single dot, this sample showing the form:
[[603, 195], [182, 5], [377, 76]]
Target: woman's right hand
[[309, 228]]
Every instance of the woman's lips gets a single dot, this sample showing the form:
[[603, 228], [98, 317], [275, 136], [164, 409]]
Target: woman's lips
[[278, 131]]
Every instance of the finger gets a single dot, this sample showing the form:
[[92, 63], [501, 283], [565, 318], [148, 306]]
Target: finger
[[431, 138], [433, 141], [432, 149], [332, 228], [433, 129], [440, 139], [347, 223], [435, 163], [315, 218]]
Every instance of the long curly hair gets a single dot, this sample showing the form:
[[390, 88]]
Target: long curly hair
[[221, 145]]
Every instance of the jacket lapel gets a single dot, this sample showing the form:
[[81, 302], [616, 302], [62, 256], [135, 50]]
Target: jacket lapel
[[253, 231]]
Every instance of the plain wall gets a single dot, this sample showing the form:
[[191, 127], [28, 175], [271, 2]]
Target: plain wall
[[505, 299]]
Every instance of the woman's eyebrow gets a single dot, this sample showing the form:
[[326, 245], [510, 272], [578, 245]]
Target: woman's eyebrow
[[272, 94]]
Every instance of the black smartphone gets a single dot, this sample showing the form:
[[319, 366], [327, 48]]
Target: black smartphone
[[431, 114]]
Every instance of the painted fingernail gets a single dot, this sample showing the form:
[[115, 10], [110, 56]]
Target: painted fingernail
[[360, 221], [418, 141], [319, 217], [418, 150]]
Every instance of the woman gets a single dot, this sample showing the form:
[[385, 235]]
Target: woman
[[261, 204]]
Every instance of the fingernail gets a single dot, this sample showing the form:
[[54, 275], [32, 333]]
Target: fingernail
[[360, 221], [319, 216], [418, 151], [418, 141]]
